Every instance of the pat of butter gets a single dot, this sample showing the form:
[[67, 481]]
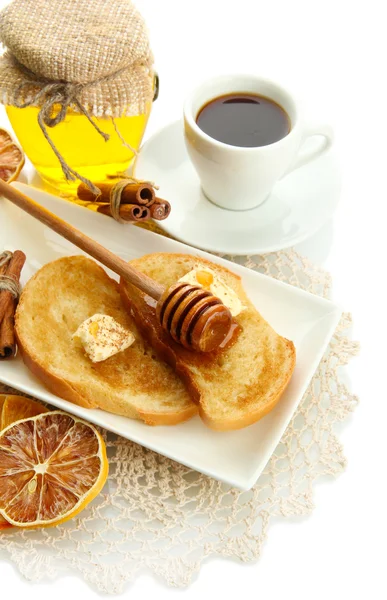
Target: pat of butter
[[209, 280], [102, 337]]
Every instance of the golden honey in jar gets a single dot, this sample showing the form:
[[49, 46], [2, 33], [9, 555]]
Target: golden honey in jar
[[79, 143]]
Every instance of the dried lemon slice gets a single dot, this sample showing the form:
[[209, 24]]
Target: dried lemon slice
[[11, 157], [51, 467], [13, 408]]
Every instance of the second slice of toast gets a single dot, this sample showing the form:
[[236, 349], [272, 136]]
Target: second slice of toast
[[234, 387]]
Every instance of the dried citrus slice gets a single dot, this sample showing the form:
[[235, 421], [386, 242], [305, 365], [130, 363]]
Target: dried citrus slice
[[18, 407], [11, 157], [51, 467], [13, 408], [3, 523]]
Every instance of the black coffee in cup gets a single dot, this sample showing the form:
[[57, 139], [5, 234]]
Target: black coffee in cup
[[241, 119]]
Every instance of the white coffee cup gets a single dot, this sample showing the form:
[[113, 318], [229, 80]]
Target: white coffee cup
[[239, 178]]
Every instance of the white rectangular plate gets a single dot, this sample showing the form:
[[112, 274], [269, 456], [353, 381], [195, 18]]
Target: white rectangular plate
[[235, 457]]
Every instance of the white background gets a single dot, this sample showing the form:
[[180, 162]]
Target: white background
[[333, 53]]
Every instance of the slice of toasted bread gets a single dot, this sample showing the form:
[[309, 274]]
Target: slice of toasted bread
[[234, 387], [133, 383]]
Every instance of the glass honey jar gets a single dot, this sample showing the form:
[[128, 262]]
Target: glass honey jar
[[80, 144], [78, 97]]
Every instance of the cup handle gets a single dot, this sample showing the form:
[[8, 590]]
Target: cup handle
[[323, 131]]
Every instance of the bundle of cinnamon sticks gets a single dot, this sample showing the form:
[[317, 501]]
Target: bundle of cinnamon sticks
[[136, 201], [11, 265]]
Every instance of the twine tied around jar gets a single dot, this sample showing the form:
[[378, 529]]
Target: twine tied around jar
[[53, 94]]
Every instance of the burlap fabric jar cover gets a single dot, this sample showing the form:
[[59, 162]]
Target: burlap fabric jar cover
[[93, 57]]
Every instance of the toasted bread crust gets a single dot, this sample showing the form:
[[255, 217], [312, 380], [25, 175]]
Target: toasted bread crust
[[56, 385], [178, 358], [171, 419]]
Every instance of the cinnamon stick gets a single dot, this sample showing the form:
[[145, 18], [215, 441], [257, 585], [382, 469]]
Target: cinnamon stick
[[128, 212], [134, 193], [7, 332], [142, 213], [8, 349], [8, 305], [4, 260], [160, 210], [13, 271]]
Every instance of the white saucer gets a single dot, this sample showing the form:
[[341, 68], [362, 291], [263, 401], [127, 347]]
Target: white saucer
[[300, 204]]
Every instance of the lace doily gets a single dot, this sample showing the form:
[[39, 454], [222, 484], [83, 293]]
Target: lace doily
[[158, 515]]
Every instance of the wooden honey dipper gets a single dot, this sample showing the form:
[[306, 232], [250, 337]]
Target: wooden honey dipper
[[192, 316]]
